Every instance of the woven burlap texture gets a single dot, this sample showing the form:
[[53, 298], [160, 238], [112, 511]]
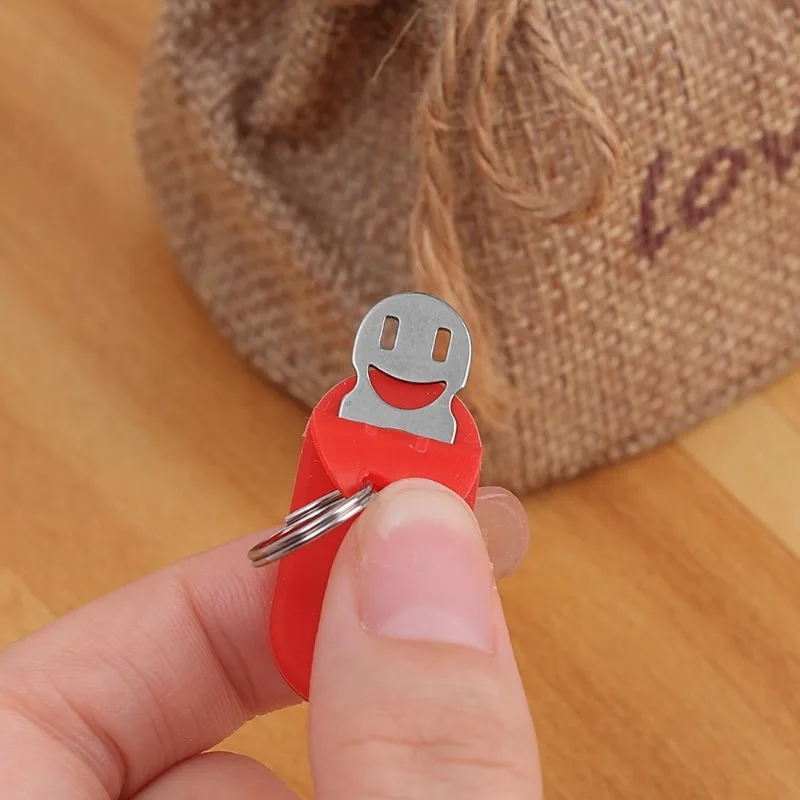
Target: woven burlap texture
[[282, 139]]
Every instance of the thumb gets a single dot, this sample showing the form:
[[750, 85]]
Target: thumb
[[415, 692]]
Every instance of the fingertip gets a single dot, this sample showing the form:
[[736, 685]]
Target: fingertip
[[506, 530]]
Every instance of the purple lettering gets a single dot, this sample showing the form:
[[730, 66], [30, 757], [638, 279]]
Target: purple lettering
[[781, 153], [650, 239], [692, 212]]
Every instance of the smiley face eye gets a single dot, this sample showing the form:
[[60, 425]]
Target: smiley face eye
[[441, 345], [389, 333]]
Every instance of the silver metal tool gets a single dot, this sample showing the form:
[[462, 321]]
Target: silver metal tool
[[410, 354], [419, 320]]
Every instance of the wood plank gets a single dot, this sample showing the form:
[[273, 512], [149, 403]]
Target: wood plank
[[655, 623], [754, 451], [21, 612], [785, 396]]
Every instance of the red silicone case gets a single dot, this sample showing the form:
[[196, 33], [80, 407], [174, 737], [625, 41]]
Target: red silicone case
[[344, 455]]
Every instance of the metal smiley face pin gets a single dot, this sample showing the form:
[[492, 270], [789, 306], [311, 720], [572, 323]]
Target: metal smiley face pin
[[397, 418], [400, 338]]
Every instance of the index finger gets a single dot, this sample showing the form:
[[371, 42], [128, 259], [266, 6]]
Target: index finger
[[139, 680]]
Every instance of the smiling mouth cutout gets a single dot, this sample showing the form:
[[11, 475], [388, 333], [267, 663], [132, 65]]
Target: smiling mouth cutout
[[404, 394]]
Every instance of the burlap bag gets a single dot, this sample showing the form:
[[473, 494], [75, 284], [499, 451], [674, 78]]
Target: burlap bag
[[311, 157]]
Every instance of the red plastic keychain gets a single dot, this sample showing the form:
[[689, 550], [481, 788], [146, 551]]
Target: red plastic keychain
[[397, 418]]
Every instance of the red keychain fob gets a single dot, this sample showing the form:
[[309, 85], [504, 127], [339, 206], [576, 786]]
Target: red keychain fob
[[397, 418]]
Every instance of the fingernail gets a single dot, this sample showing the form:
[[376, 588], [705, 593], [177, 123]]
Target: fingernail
[[504, 523], [424, 573]]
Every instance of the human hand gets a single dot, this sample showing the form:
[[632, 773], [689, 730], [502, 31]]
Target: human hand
[[415, 692]]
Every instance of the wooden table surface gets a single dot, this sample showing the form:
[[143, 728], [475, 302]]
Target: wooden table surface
[[657, 617]]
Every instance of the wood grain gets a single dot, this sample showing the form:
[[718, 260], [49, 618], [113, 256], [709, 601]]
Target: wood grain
[[657, 617]]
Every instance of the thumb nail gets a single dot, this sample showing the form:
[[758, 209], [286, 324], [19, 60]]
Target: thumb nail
[[424, 573]]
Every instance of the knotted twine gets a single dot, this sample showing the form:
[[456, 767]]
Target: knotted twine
[[471, 42]]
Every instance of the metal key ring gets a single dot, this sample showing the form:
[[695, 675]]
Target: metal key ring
[[308, 523]]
